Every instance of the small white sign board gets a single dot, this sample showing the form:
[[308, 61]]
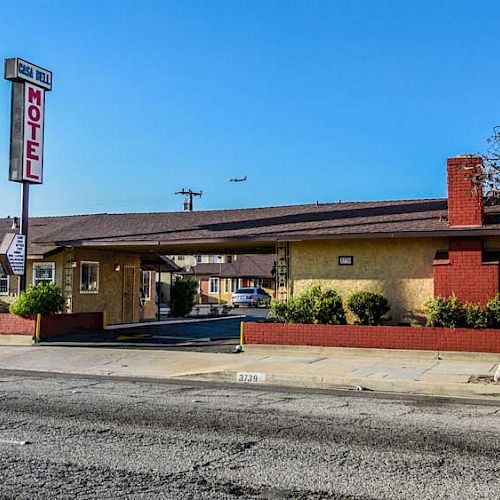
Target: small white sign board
[[12, 251]]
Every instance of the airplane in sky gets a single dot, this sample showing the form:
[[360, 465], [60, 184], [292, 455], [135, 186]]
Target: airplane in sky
[[238, 179]]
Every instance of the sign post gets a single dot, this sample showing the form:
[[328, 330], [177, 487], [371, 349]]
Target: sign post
[[29, 84]]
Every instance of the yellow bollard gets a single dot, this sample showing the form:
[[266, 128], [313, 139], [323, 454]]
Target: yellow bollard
[[38, 327], [104, 319], [242, 333]]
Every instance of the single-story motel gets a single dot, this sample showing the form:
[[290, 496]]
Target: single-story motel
[[409, 250]]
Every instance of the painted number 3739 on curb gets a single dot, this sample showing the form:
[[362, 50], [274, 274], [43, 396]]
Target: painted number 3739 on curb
[[250, 378]]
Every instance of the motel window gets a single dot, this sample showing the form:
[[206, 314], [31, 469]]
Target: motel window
[[146, 284], [4, 283], [44, 272], [89, 277], [213, 285]]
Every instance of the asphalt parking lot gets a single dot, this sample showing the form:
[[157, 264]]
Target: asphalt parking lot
[[215, 334]]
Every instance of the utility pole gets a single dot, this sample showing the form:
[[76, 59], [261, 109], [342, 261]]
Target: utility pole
[[188, 200]]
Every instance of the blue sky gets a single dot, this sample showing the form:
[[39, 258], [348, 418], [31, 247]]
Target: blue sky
[[313, 100]]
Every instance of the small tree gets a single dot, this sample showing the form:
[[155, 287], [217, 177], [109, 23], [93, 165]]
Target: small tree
[[40, 299], [369, 307], [182, 296]]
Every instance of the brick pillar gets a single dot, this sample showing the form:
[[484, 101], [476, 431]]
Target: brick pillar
[[465, 274], [465, 197]]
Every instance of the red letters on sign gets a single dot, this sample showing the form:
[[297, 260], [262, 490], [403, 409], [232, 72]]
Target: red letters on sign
[[33, 133], [35, 96]]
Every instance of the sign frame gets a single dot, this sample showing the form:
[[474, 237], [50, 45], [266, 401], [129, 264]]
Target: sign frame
[[20, 70]]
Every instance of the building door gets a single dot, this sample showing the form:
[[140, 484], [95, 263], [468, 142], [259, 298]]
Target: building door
[[128, 294]]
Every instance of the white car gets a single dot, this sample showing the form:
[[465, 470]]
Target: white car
[[252, 297]]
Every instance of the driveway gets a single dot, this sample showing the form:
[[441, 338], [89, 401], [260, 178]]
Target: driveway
[[213, 333]]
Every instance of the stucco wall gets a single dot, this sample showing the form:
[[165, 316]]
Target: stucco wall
[[401, 269], [110, 294]]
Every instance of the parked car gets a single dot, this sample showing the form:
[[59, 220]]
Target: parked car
[[251, 297]]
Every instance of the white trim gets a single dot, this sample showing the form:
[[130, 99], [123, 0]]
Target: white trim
[[5, 276], [89, 292], [213, 279], [33, 272], [147, 296]]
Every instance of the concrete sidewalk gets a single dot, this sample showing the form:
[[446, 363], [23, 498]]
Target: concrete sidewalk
[[415, 372]]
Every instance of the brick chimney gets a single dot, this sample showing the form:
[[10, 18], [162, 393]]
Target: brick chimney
[[465, 197]]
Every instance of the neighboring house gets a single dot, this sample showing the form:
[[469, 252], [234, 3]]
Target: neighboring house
[[216, 282], [409, 250]]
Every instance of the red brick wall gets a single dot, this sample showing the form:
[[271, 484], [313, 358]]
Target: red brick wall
[[377, 337], [62, 324], [464, 274], [15, 325], [465, 204]]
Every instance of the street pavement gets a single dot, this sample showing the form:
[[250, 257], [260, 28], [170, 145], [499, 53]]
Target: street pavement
[[66, 437]]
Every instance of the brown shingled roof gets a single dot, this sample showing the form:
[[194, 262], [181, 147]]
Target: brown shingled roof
[[250, 266], [423, 217]]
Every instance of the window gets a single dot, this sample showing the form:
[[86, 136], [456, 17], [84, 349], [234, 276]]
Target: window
[[199, 259], [227, 285], [146, 284], [229, 259], [180, 257], [89, 277], [213, 285], [4, 283], [44, 272]]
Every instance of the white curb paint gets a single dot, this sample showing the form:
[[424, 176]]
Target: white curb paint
[[251, 378], [172, 322]]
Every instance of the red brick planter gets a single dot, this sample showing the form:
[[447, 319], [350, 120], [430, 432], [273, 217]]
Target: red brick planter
[[15, 325], [50, 326], [377, 337]]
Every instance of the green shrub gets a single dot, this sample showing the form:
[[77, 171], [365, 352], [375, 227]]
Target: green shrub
[[369, 307], [182, 296], [445, 311], [475, 316], [493, 312], [328, 309], [312, 306], [40, 299]]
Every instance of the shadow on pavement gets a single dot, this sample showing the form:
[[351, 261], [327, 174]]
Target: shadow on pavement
[[220, 335]]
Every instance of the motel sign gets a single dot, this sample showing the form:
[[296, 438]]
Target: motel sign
[[29, 84]]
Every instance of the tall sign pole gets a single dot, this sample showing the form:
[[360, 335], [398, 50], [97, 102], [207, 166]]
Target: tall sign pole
[[29, 84]]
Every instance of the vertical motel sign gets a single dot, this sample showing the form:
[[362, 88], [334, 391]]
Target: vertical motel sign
[[29, 84]]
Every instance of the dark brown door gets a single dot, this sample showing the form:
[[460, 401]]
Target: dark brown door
[[128, 294]]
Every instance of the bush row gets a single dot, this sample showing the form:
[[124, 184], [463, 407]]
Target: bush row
[[318, 306], [450, 312]]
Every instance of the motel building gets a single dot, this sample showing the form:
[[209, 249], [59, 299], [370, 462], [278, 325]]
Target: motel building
[[409, 250]]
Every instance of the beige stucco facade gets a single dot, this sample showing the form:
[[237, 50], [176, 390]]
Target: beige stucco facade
[[111, 296], [400, 269]]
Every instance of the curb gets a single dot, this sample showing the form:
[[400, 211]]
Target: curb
[[490, 392]]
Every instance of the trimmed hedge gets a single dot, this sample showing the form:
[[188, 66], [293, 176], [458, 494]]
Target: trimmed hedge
[[45, 298]]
